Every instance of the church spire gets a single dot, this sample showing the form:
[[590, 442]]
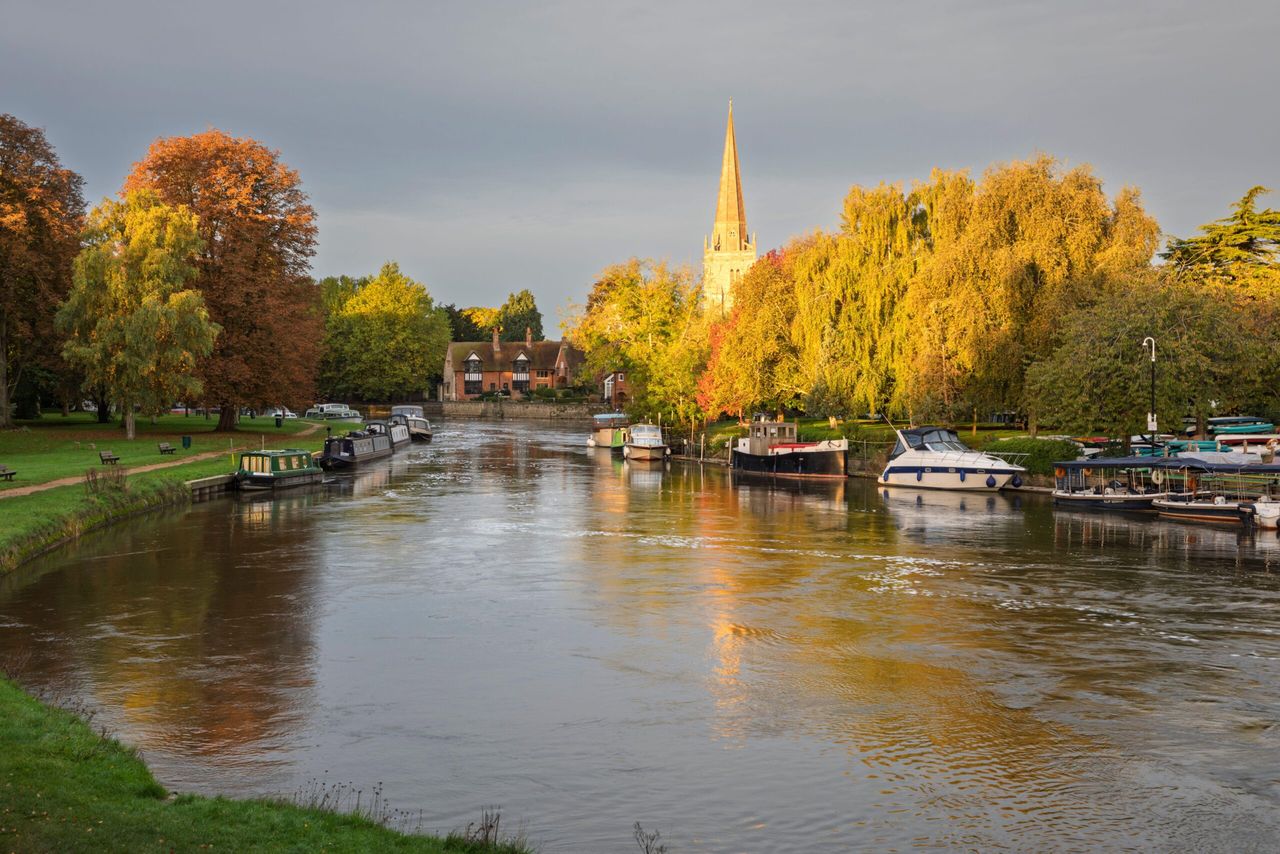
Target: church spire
[[728, 253], [730, 231]]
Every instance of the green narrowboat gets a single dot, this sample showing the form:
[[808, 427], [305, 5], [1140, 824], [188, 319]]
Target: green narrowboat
[[277, 469]]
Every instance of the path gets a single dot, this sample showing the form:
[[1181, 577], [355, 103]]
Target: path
[[71, 481]]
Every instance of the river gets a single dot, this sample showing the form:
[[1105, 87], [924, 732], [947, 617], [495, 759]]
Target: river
[[505, 618]]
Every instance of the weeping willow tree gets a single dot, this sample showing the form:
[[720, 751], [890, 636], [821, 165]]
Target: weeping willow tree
[[933, 302]]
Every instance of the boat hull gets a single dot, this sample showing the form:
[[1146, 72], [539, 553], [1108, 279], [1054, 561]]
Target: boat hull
[[829, 463], [940, 477], [255, 482], [1228, 513], [1118, 503], [645, 452]]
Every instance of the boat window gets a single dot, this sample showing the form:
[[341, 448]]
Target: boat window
[[898, 450], [914, 441]]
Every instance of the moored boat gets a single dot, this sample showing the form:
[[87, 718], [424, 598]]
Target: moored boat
[[772, 447], [645, 442], [1233, 488], [358, 446], [419, 426], [277, 469], [1116, 483], [935, 458], [608, 430], [395, 427]]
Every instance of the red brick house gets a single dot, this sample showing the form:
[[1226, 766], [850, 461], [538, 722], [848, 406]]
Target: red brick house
[[616, 393], [473, 368]]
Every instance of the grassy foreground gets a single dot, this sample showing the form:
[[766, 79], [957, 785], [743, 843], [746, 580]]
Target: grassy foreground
[[64, 787]]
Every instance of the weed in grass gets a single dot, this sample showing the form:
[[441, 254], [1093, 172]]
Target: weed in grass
[[107, 481]]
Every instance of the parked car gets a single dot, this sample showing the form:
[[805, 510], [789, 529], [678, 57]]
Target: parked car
[[282, 412]]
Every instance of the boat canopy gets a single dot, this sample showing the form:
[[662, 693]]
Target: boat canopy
[[1206, 461], [610, 419], [646, 435]]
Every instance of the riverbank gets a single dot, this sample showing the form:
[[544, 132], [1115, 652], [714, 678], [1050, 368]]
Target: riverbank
[[67, 788]]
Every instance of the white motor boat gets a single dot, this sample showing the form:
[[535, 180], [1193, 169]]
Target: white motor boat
[[935, 458], [645, 443]]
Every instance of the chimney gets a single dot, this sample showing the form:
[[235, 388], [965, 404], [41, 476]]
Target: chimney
[[497, 345], [528, 336]]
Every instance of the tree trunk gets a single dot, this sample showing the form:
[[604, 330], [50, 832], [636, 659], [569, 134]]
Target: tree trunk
[[103, 402], [1032, 427], [130, 427], [975, 421], [226, 418], [5, 419]]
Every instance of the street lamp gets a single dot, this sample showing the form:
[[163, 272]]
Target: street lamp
[[1151, 414]]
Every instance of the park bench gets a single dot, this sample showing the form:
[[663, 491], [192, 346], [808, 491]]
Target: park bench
[[7, 473], [166, 448], [108, 457]]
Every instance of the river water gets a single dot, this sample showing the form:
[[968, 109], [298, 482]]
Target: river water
[[504, 618]]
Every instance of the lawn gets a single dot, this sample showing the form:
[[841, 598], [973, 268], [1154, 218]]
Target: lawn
[[55, 447]]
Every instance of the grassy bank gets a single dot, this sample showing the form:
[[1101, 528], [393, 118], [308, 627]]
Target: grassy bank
[[66, 788]]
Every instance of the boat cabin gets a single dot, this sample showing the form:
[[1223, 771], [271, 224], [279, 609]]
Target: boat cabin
[[409, 411], [763, 435], [646, 436], [276, 462]]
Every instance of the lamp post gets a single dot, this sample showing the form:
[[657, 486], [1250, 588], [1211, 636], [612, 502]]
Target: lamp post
[[1151, 414]]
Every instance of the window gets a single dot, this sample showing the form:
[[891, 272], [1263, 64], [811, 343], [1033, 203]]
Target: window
[[543, 373], [473, 386], [520, 374]]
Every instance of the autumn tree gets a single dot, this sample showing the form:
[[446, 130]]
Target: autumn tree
[[258, 231], [133, 324], [41, 213], [386, 340], [645, 318]]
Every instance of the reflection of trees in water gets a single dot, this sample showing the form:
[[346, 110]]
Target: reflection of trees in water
[[192, 632]]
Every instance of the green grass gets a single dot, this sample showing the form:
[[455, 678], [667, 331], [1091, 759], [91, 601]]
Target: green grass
[[64, 787], [54, 447]]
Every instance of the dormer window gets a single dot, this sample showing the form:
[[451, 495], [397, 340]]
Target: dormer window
[[520, 373], [472, 375]]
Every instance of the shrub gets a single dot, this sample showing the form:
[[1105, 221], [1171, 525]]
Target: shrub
[[1041, 453]]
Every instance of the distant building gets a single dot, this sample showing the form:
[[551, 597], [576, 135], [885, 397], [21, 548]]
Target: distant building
[[473, 368], [616, 393], [727, 254]]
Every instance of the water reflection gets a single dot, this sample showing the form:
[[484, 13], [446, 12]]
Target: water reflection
[[748, 663]]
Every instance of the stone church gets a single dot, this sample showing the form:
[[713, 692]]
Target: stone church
[[727, 253]]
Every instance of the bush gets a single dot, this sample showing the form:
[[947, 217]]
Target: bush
[[1041, 453]]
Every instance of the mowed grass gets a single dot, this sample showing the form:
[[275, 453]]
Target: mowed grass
[[64, 787], [54, 447]]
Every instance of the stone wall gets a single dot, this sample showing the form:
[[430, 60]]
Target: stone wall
[[533, 410]]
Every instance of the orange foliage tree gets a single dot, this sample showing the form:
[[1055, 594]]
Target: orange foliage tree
[[259, 235], [41, 211]]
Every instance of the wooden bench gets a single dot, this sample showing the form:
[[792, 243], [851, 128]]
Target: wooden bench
[[108, 457], [7, 473], [166, 448]]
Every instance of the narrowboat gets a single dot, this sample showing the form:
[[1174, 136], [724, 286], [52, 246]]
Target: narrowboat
[[608, 430], [419, 426], [1109, 483], [395, 427], [358, 446], [935, 458], [772, 447], [645, 443], [277, 469]]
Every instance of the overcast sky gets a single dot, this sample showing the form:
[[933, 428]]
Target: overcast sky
[[493, 146]]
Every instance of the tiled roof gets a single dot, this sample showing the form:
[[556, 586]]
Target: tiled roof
[[542, 356]]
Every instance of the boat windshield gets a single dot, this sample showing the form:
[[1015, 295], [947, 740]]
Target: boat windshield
[[944, 441], [646, 434]]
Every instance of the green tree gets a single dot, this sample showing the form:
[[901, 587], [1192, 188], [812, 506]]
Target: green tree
[[1231, 249], [132, 324], [41, 212], [518, 314], [1096, 379], [386, 340]]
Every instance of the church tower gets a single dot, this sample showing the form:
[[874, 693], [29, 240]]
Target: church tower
[[728, 253]]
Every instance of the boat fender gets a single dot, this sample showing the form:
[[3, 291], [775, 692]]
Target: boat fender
[[1059, 472], [885, 475], [919, 475], [1157, 477], [962, 476], [1017, 481], [991, 481], [1088, 472]]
